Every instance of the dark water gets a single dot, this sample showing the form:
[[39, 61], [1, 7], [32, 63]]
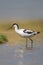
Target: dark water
[[15, 55]]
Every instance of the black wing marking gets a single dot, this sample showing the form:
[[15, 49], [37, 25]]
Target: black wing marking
[[29, 32]]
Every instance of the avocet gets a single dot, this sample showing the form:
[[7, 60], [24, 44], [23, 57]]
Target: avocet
[[27, 34]]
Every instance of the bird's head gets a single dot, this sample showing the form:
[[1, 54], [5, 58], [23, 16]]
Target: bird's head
[[14, 25]]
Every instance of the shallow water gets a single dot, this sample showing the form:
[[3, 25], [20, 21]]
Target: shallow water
[[19, 55]]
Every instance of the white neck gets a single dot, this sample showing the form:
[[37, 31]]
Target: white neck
[[16, 28]]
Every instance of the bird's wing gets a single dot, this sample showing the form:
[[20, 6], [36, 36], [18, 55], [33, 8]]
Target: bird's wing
[[28, 31]]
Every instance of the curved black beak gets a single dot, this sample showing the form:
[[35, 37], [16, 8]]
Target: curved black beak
[[10, 28]]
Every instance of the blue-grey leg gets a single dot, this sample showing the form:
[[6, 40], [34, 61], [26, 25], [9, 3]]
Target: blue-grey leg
[[26, 42], [31, 42]]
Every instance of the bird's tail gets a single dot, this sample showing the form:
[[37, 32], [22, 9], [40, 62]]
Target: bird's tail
[[38, 32]]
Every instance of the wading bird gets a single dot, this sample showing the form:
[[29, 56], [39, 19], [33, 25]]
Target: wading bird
[[27, 34]]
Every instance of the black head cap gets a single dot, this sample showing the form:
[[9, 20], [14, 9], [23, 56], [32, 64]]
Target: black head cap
[[16, 25]]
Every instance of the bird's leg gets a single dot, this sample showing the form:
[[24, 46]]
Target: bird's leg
[[31, 42], [26, 42]]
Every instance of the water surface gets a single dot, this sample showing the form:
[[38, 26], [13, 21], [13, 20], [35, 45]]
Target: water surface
[[19, 55]]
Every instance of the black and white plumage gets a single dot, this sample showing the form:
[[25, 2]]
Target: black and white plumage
[[25, 33]]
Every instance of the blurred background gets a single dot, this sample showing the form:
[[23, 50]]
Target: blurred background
[[21, 9], [27, 13]]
